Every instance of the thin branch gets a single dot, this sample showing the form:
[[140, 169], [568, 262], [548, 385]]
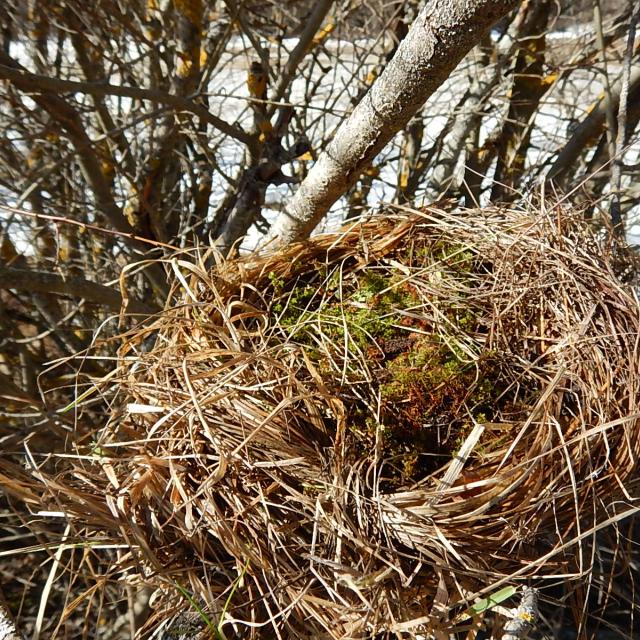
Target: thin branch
[[306, 38], [91, 227], [45, 282], [620, 141], [616, 221], [69, 119], [587, 131], [39, 83]]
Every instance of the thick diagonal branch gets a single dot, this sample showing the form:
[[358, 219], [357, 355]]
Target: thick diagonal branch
[[439, 38]]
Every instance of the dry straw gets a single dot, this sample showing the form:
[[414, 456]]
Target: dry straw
[[363, 433]]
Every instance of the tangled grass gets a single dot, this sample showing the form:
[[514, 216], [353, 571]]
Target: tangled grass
[[362, 434]]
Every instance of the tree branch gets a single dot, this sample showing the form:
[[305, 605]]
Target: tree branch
[[588, 130], [69, 119], [34, 82], [314, 22], [440, 36], [45, 282]]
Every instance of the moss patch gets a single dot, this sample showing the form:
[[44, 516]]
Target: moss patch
[[410, 389]]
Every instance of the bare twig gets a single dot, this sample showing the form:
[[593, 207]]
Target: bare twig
[[90, 227], [33, 280], [37, 83]]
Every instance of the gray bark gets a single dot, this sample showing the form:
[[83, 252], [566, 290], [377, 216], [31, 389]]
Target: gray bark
[[454, 144], [441, 35]]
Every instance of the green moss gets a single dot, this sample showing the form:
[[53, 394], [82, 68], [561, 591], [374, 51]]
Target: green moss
[[428, 370], [276, 282], [292, 307], [357, 326], [429, 395], [370, 284], [358, 313]]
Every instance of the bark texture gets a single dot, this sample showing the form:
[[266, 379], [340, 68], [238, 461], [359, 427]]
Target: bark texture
[[441, 35]]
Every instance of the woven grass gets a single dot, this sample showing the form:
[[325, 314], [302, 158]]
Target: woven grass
[[365, 432]]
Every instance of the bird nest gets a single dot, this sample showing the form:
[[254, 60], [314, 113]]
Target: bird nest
[[367, 432]]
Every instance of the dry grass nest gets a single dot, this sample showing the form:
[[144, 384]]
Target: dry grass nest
[[364, 433]]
